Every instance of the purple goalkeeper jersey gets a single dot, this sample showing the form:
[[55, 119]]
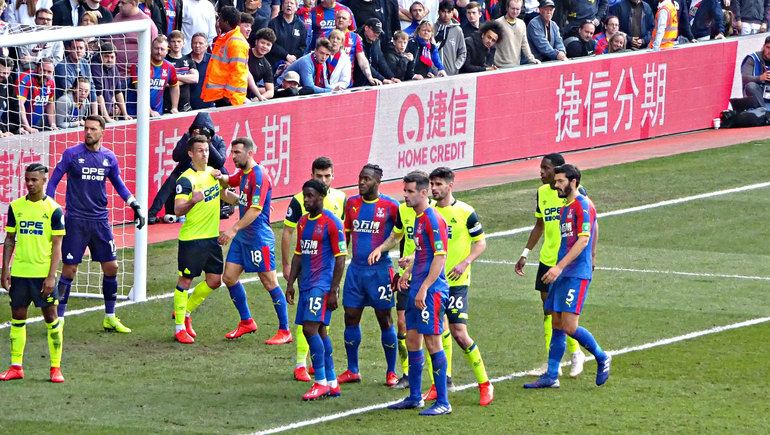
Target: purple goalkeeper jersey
[[87, 172]]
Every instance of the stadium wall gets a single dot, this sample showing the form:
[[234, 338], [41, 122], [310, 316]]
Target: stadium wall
[[459, 122]]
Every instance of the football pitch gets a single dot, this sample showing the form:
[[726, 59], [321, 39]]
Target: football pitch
[[679, 297]]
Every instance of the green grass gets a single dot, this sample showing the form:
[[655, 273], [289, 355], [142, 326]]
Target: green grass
[[144, 382]]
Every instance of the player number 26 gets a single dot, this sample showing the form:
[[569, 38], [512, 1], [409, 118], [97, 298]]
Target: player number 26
[[456, 303], [385, 292], [256, 257]]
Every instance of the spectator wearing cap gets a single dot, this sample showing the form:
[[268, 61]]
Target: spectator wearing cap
[[583, 44], [108, 84], [370, 41], [481, 46], [427, 62], [311, 68], [508, 53], [449, 38], [580, 11], [636, 20], [73, 66], [290, 86], [353, 47], [290, 36], [472, 18], [543, 35], [260, 71], [193, 17]]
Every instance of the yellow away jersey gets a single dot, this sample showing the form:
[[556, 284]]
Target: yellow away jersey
[[35, 224]]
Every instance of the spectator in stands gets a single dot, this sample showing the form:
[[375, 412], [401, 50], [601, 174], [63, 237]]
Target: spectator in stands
[[665, 32], [449, 37], [580, 11], [353, 47], [193, 17], [427, 62], [617, 43], [707, 20], [251, 8], [290, 86], [514, 43], [101, 13], [73, 106], [304, 14], [157, 12], [260, 70], [73, 66], [384, 10], [472, 19], [417, 14], [338, 63], [162, 75], [755, 75], [227, 74], [9, 100], [543, 35], [186, 73], [322, 19], [636, 20], [290, 36], [24, 12], [311, 68], [66, 13], [108, 84], [399, 60], [246, 24], [31, 54], [200, 56], [4, 27], [683, 12], [92, 44], [611, 26], [530, 10], [36, 103], [480, 44], [583, 44], [378, 66], [127, 46]]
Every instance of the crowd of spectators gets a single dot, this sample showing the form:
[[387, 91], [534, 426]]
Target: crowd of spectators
[[231, 52]]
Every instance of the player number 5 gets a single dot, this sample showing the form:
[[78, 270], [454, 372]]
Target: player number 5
[[570, 295]]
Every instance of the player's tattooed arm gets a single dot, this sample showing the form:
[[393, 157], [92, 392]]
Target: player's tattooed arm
[[386, 246]]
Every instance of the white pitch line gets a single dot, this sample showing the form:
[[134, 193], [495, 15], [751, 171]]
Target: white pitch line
[[622, 351], [664, 272]]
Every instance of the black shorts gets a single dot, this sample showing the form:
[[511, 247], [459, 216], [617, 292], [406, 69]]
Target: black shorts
[[199, 255], [539, 284], [401, 297], [457, 304], [26, 290]]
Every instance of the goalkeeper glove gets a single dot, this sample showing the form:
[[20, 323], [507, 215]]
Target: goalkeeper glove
[[138, 218]]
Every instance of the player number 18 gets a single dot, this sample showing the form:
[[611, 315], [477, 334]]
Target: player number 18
[[256, 257]]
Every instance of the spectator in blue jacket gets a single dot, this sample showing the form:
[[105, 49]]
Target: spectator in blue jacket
[[639, 31], [707, 19], [543, 35], [291, 36], [580, 11]]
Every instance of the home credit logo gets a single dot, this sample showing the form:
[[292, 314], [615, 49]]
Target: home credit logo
[[424, 125]]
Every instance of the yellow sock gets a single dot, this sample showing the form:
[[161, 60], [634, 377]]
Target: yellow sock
[[572, 345], [18, 340], [403, 353], [302, 346], [55, 340], [429, 365], [200, 293], [548, 328], [180, 306], [473, 355], [446, 341]]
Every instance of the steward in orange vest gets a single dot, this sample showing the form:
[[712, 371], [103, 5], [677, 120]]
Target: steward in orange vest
[[226, 76], [666, 14]]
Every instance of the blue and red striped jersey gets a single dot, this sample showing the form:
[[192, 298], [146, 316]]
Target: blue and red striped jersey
[[368, 224], [161, 75], [430, 239], [319, 241], [578, 218], [256, 190], [322, 21], [34, 95]]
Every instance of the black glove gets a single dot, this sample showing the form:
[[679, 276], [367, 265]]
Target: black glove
[[138, 218]]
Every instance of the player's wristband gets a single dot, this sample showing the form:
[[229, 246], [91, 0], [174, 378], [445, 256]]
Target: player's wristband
[[525, 252]]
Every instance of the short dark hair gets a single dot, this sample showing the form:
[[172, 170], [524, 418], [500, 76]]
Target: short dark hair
[[767, 40], [247, 143], [202, 130], [246, 18], [420, 178], [473, 5], [555, 158], [322, 163], [494, 26], [69, 43], [374, 168], [107, 47], [230, 15], [96, 118], [316, 185], [569, 171], [196, 139], [446, 5], [80, 79], [7, 62], [584, 22], [443, 172], [265, 33], [323, 42], [37, 167]]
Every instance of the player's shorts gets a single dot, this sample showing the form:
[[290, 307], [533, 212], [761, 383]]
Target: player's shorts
[[539, 284], [567, 295], [311, 307], [26, 290], [196, 256], [252, 258], [457, 304], [401, 297], [95, 234], [367, 286], [429, 321]]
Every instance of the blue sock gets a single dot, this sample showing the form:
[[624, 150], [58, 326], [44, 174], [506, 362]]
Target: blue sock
[[390, 345], [238, 296], [329, 360], [317, 356], [416, 360], [110, 291], [556, 352], [587, 340], [352, 341], [439, 377], [65, 284], [279, 303]]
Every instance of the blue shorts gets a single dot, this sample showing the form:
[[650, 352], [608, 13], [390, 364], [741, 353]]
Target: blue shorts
[[26, 290], [429, 321], [367, 286], [196, 256], [96, 235], [566, 295], [311, 307], [252, 258]]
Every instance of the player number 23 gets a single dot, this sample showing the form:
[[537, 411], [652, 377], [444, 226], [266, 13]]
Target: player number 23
[[256, 257], [385, 292]]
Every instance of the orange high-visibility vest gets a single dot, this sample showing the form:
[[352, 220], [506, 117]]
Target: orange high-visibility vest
[[672, 27], [227, 73]]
